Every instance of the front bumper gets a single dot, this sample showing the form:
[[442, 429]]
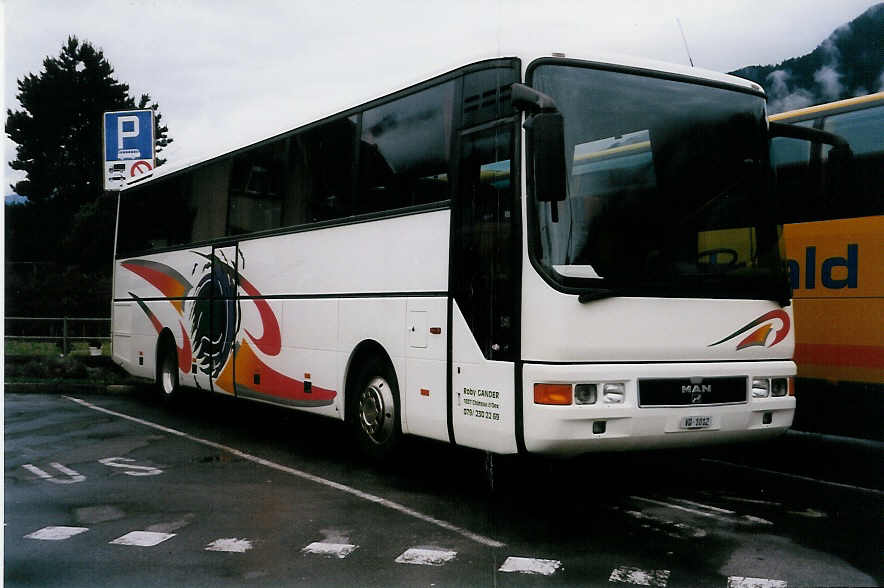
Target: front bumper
[[570, 430]]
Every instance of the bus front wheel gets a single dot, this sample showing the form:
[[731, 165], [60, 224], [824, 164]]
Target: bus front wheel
[[375, 409]]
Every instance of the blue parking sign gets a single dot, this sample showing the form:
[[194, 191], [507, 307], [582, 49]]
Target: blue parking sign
[[128, 146]]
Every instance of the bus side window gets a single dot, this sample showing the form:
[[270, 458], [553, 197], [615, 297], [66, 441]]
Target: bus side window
[[208, 200], [864, 130], [255, 189], [321, 169], [404, 151], [158, 215]]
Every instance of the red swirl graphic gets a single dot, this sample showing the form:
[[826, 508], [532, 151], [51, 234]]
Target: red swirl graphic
[[270, 342]]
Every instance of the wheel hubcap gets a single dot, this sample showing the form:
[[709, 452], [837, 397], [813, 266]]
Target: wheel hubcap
[[376, 410]]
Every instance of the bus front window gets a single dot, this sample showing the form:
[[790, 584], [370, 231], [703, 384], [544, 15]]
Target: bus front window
[[668, 188]]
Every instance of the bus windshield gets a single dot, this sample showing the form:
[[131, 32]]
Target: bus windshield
[[668, 191]]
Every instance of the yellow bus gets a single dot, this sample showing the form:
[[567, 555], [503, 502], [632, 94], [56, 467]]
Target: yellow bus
[[834, 238]]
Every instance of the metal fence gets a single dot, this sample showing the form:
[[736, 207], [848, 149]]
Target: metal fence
[[63, 331]]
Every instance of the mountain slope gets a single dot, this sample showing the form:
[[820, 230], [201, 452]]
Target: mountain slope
[[850, 62]]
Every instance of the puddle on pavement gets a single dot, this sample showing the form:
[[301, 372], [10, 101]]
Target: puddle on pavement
[[92, 515]]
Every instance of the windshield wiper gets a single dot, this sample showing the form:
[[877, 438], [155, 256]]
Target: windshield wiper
[[600, 294]]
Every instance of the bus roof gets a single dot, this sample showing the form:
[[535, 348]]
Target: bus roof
[[830, 107], [619, 61], [639, 63]]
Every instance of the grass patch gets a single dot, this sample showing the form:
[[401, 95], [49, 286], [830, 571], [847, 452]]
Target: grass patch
[[47, 349], [70, 369]]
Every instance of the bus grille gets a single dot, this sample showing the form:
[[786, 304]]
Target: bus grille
[[692, 391]]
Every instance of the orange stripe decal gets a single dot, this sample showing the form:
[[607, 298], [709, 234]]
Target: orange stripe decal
[[867, 356]]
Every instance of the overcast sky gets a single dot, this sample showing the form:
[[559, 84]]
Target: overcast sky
[[225, 72]]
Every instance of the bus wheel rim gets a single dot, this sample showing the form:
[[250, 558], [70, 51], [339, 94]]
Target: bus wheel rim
[[376, 410]]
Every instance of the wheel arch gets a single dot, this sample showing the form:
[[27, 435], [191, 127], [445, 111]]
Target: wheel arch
[[164, 339], [363, 352]]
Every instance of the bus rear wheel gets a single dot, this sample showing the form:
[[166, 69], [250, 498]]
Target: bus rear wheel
[[374, 406], [167, 371]]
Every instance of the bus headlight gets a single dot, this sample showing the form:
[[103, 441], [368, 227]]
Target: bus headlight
[[760, 387], [585, 393], [779, 386], [614, 392]]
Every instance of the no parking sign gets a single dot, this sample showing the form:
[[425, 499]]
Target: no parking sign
[[128, 147]]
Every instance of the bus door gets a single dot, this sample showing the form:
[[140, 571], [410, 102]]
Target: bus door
[[485, 282], [223, 317]]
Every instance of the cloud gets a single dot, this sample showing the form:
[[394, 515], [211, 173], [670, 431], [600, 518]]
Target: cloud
[[781, 98], [827, 77], [829, 81]]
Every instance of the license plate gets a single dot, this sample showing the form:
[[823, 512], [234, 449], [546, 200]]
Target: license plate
[[696, 422]]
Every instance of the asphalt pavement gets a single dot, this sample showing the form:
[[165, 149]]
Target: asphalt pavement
[[114, 488]]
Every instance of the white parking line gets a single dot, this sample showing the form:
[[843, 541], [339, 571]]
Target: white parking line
[[142, 539], [756, 520], [56, 533], [703, 506], [639, 577], [230, 545], [751, 500], [338, 550], [679, 507], [426, 557], [301, 474], [809, 513], [795, 476], [743, 582], [528, 565]]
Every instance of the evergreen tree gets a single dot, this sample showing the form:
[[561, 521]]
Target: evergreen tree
[[59, 129], [68, 222]]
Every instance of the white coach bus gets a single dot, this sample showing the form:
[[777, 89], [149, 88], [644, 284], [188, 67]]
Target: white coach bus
[[552, 255]]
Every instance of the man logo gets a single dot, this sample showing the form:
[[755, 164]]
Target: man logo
[[696, 391]]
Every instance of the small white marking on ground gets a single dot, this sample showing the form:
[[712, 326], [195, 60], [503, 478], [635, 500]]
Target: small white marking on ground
[[74, 476], [304, 475], [36, 471], [231, 545], [671, 528], [426, 557], [743, 582], [338, 550], [142, 538], [56, 533], [639, 577], [704, 506], [756, 520], [529, 565], [131, 469]]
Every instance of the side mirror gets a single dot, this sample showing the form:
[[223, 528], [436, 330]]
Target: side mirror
[[839, 167], [811, 135], [545, 128], [546, 132], [527, 99]]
